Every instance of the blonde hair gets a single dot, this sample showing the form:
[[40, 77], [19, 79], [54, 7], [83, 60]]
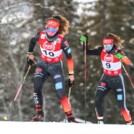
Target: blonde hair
[[64, 24], [117, 39]]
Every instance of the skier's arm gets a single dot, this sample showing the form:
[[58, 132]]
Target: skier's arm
[[70, 63], [96, 51], [67, 51], [33, 43], [121, 55], [30, 56]]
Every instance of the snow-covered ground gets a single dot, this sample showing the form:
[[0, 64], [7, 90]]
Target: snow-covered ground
[[8, 127]]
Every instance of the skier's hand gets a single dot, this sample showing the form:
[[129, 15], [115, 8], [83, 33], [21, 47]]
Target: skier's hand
[[123, 58], [84, 38], [71, 80], [118, 55], [30, 59]]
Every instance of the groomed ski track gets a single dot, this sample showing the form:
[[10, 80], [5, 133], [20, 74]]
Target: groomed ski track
[[7, 127]]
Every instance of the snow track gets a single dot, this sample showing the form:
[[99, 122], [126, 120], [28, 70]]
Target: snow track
[[7, 127]]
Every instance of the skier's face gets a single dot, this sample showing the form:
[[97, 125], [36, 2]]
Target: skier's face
[[108, 44], [52, 27], [108, 47], [51, 31]]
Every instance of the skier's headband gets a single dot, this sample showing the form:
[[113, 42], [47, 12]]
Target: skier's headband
[[52, 23], [107, 41]]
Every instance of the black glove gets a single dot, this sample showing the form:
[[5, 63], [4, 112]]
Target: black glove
[[71, 80], [30, 62], [30, 58]]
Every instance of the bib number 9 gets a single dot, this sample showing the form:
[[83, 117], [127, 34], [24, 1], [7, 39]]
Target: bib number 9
[[108, 65]]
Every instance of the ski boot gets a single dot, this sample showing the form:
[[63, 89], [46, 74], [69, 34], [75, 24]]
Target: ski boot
[[38, 117], [70, 117], [100, 119], [129, 123]]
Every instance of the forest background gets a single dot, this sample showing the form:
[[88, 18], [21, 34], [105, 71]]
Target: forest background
[[20, 20]]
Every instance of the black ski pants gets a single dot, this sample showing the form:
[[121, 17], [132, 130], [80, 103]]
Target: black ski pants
[[107, 83], [43, 71]]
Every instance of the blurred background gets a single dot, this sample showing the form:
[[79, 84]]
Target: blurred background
[[20, 20]]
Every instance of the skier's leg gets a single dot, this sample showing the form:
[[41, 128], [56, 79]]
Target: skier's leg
[[121, 99], [101, 91], [39, 78], [58, 78]]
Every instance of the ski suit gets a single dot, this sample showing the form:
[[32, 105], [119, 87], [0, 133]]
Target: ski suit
[[111, 79], [50, 64]]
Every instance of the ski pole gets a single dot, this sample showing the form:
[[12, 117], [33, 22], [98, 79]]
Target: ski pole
[[17, 93], [85, 75], [24, 78], [69, 92], [128, 76], [84, 40]]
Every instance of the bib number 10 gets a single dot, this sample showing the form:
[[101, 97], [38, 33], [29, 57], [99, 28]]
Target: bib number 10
[[108, 65], [51, 54]]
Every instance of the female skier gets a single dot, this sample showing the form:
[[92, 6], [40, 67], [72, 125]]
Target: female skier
[[112, 58], [52, 43]]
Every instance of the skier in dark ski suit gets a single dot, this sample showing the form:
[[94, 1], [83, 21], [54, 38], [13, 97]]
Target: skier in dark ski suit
[[52, 42], [111, 57]]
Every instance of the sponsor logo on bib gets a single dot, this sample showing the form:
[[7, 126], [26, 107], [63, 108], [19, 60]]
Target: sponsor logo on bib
[[48, 46], [108, 58]]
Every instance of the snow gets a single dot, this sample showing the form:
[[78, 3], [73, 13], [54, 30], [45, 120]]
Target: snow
[[8, 127]]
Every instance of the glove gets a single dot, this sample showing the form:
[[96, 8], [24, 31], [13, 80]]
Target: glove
[[118, 55], [30, 58], [71, 80], [30, 62], [123, 58], [84, 38]]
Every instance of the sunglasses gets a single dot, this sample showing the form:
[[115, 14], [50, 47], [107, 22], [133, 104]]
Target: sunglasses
[[50, 29]]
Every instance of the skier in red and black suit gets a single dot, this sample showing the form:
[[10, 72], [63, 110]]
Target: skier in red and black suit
[[52, 42], [111, 57]]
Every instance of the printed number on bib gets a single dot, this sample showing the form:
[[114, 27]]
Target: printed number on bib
[[108, 65], [49, 53]]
